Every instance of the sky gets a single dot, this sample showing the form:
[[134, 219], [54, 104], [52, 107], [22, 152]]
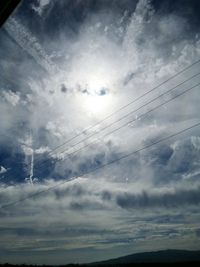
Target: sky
[[74, 77]]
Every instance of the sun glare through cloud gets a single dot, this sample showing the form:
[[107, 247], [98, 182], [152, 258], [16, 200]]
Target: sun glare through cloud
[[99, 129]]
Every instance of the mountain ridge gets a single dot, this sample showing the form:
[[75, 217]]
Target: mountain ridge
[[171, 257], [160, 256]]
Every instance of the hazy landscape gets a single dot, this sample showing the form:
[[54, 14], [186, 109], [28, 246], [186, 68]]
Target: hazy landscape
[[158, 258]]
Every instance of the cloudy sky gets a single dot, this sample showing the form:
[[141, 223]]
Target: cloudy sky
[[74, 77]]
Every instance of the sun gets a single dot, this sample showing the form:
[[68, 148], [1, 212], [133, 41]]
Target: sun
[[96, 96], [97, 104], [94, 85]]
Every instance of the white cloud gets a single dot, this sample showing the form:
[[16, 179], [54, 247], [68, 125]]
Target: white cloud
[[60, 116], [30, 44], [2, 170], [41, 5], [84, 214], [11, 97], [125, 60]]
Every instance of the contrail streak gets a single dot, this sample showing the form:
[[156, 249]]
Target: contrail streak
[[30, 44], [31, 167]]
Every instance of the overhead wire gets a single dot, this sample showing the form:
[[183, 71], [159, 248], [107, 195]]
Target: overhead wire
[[139, 117], [125, 106], [118, 120], [100, 167], [132, 120]]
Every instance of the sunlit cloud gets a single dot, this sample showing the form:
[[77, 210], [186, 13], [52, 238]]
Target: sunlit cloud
[[64, 76]]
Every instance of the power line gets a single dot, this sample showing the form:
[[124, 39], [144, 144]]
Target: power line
[[132, 111], [102, 166], [132, 120], [126, 115], [142, 115], [123, 107]]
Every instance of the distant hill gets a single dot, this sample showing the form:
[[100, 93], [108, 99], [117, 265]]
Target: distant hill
[[163, 256]]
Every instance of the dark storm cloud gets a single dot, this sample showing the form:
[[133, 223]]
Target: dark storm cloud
[[167, 200]]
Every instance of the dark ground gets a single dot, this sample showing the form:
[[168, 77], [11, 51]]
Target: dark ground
[[111, 265]]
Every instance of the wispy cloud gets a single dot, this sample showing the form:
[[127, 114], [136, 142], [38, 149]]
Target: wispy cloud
[[30, 44], [2, 170], [109, 60]]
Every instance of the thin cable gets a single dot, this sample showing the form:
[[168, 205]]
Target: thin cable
[[42, 163], [140, 116], [101, 167], [126, 115], [123, 107], [133, 120]]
